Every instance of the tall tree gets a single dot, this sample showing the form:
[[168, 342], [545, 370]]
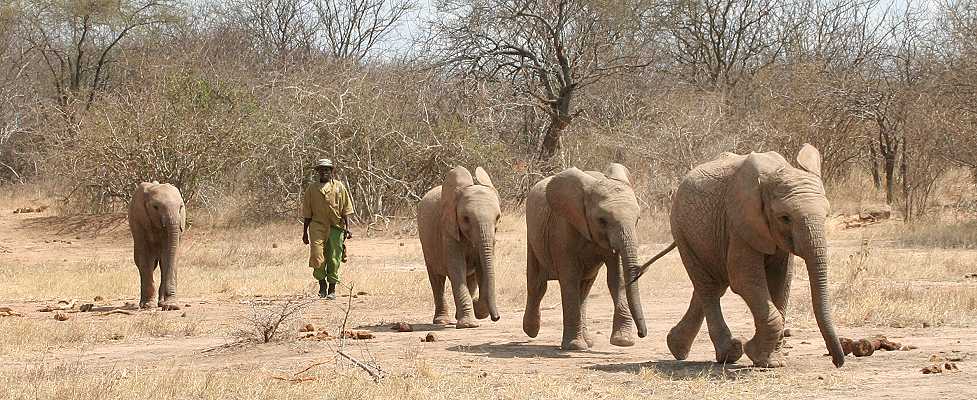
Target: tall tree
[[548, 50]]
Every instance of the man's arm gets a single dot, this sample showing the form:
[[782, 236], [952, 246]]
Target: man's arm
[[305, 229], [306, 216]]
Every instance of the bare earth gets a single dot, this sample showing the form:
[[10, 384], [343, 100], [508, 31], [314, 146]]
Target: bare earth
[[200, 343]]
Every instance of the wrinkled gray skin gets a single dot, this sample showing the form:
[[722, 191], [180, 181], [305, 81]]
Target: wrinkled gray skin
[[736, 221], [577, 221], [157, 218], [456, 223]]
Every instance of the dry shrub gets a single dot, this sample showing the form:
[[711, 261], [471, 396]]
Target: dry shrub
[[269, 321]]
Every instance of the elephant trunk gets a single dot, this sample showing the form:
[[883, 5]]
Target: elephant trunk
[[813, 248], [486, 290], [168, 258], [629, 264]]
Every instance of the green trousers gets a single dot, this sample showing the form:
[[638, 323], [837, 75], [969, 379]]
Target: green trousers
[[326, 253]]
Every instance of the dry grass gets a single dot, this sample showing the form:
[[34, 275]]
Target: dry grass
[[27, 336], [424, 381]]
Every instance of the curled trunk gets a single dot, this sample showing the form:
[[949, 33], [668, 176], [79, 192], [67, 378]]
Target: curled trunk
[[486, 291], [814, 250], [630, 270]]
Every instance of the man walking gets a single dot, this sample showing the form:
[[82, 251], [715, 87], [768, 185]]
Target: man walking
[[325, 208]]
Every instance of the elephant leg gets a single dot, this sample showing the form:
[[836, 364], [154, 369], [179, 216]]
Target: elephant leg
[[585, 287], [780, 271], [481, 309], [681, 336], [749, 280], [464, 315], [146, 263], [622, 331], [728, 348], [535, 290], [573, 338], [441, 316], [167, 288]]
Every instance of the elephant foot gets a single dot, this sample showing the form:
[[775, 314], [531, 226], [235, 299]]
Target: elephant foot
[[622, 339], [147, 304], [575, 344], [763, 358], [729, 352], [442, 320], [169, 306], [467, 322], [530, 325], [589, 339], [679, 344]]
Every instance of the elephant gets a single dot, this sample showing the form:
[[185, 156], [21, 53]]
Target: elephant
[[737, 221], [456, 223], [576, 221], [157, 219]]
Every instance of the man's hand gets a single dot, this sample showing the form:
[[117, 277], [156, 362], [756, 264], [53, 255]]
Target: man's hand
[[305, 237], [349, 235]]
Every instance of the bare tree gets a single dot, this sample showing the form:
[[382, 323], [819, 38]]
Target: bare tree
[[548, 50], [353, 29], [78, 40]]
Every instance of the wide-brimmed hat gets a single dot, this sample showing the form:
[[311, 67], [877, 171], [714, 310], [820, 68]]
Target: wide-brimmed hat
[[323, 163]]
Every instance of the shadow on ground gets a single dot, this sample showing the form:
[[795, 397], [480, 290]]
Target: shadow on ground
[[675, 369], [520, 350], [93, 225]]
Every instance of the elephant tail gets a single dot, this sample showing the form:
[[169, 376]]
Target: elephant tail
[[651, 261]]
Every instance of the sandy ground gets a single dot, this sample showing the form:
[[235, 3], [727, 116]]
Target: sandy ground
[[499, 348]]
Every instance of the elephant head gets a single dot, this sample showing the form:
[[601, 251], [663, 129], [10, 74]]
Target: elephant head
[[776, 206], [470, 213], [604, 210]]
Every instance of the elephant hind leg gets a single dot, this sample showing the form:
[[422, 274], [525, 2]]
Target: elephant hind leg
[[478, 302], [536, 289], [585, 287], [728, 348], [681, 336], [441, 316]]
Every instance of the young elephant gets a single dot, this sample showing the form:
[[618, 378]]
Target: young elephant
[[456, 223], [157, 218], [577, 221], [736, 221]]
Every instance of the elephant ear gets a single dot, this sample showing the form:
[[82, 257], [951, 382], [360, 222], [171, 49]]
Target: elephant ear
[[566, 194], [745, 208], [809, 158], [618, 172], [482, 178], [454, 182]]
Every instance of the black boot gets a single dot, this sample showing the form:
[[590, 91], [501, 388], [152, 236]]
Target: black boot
[[331, 295], [323, 289]]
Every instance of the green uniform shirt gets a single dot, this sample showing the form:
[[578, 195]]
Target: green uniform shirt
[[326, 203]]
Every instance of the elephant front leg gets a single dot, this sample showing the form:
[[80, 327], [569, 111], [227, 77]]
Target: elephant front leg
[[749, 280], [623, 331], [464, 313], [780, 271], [147, 284], [441, 316], [585, 287], [167, 288], [573, 335]]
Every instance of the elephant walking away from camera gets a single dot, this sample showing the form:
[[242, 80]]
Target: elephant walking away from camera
[[456, 223], [157, 218], [577, 221], [737, 221]]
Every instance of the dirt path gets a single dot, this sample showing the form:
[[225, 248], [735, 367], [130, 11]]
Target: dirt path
[[494, 348]]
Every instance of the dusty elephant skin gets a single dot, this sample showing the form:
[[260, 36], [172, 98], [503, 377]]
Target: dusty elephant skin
[[157, 218], [577, 221], [456, 223], [736, 222]]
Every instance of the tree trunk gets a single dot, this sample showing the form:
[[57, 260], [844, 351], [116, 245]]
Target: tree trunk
[[874, 158]]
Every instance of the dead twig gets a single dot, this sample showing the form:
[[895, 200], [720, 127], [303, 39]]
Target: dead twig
[[374, 372]]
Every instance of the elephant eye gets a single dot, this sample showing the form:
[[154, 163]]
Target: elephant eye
[[602, 221], [785, 219]]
